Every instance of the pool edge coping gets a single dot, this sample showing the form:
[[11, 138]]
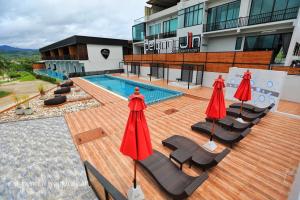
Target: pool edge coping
[[179, 93]]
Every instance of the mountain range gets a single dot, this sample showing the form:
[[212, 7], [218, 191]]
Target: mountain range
[[8, 49]]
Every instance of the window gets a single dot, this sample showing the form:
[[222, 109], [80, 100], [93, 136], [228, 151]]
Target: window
[[170, 25], [138, 32], [223, 16], [263, 11], [190, 16], [154, 29], [296, 51], [238, 43], [279, 43]]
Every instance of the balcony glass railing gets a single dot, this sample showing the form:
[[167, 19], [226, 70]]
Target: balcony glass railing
[[162, 35], [290, 13]]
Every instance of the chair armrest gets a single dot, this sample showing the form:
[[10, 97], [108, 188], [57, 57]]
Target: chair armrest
[[245, 132], [222, 155], [196, 183]]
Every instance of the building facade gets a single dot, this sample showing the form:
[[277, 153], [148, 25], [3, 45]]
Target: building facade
[[82, 54], [171, 26]]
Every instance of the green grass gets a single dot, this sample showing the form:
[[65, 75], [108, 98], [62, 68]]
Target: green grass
[[4, 94], [27, 77], [22, 76]]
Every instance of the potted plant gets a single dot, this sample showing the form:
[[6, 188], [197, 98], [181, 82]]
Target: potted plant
[[27, 110], [41, 91], [19, 109], [57, 83]]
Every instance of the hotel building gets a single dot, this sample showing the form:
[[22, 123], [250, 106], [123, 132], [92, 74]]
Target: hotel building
[[82, 55], [172, 26]]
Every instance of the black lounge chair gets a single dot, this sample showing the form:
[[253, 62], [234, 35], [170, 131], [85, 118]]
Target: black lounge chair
[[67, 84], [252, 108], [246, 115], [62, 90], [227, 136], [171, 179], [232, 124], [199, 155], [55, 101]]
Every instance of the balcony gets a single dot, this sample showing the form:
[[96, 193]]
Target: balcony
[[286, 14], [162, 35], [152, 37], [65, 57], [168, 34]]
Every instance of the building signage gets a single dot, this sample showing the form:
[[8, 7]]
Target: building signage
[[105, 53], [188, 43]]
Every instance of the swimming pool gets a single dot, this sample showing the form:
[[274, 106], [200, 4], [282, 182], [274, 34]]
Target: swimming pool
[[125, 88], [51, 73]]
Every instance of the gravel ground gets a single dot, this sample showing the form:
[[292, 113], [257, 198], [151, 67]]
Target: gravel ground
[[41, 111], [38, 160]]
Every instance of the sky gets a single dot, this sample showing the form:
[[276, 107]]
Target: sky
[[37, 23]]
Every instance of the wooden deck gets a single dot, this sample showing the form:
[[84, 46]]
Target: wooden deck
[[262, 166]]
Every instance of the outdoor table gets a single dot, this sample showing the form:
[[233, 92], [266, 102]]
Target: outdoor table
[[180, 156]]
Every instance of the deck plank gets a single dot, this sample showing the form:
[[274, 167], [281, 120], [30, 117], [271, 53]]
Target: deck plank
[[261, 166]]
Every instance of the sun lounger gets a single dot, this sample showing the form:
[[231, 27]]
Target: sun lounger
[[246, 115], [170, 178], [231, 123], [62, 90], [199, 155], [55, 101], [67, 84], [227, 136], [252, 108]]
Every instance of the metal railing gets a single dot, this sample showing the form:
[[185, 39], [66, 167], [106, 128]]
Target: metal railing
[[168, 34], [103, 189], [139, 20], [286, 14], [162, 35]]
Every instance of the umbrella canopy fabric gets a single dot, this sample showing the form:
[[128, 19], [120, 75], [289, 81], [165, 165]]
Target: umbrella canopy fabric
[[136, 141], [216, 107], [243, 93]]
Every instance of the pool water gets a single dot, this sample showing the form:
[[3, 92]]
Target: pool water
[[51, 73], [125, 88]]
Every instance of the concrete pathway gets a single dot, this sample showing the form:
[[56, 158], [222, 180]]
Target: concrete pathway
[[21, 88]]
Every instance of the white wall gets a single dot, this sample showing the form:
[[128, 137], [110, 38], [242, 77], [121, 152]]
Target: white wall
[[209, 78], [291, 84], [290, 90], [97, 62], [221, 44], [295, 38]]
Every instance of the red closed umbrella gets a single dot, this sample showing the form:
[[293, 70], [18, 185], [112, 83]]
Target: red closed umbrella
[[136, 141], [216, 107], [243, 93]]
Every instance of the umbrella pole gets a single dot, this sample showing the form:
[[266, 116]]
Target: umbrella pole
[[241, 109], [134, 179], [212, 130], [137, 150]]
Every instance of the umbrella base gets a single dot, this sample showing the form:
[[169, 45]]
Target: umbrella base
[[135, 193], [211, 145], [240, 120]]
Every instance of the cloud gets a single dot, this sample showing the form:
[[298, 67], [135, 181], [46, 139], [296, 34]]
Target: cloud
[[37, 23]]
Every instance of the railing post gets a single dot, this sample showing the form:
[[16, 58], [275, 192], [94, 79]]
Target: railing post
[[168, 75], [87, 176]]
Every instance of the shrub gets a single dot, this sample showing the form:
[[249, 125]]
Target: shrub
[[46, 78], [4, 93], [14, 74], [27, 77], [41, 89]]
